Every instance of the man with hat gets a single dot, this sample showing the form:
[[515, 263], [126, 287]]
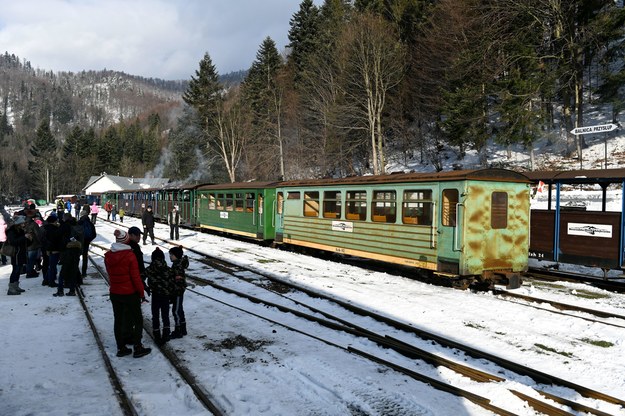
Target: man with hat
[[147, 219], [134, 233]]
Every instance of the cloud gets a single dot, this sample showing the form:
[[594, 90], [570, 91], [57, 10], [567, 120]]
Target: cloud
[[152, 38]]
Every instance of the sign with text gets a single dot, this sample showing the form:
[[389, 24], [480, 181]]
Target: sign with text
[[592, 230], [602, 128]]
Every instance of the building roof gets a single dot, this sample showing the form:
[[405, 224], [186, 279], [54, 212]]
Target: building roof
[[116, 183]]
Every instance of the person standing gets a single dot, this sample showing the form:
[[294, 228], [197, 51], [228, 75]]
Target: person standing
[[134, 234], [147, 219], [52, 243], [108, 207], [173, 219], [121, 214], [89, 234], [162, 287], [180, 262], [3, 238], [34, 248], [19, 240], [77, 208], [114, 212], [94, 212], [60, 208], [69, 259], [126, 294]]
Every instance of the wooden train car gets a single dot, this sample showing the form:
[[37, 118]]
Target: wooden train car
[[462, 225], [244, 209], [568, 229]]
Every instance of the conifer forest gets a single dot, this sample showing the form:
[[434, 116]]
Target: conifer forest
[[361, 85]]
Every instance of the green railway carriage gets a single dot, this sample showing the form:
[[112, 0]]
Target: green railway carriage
[[184, 198], [244, 209], [467, 226]]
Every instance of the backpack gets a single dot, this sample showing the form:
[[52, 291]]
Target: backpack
[[89, 232]]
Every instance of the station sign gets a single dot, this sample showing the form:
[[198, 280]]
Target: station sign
[[602, 128]]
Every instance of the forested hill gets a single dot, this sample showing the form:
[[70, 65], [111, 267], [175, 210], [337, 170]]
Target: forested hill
[[93, 121], [95, 98]]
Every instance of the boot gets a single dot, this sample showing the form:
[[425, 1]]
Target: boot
[[72, 292], [122, 352], [58, 293], [140, 351], [17, 285], [183, 329], [166, 335], [13, 289], [158, 340], [177, 333]]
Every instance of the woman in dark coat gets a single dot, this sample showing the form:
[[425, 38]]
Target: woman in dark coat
[[18, 239]]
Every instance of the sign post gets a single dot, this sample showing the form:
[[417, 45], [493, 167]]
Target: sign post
[[601, 128]]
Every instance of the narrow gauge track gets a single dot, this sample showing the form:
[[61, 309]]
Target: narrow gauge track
[[122, 398], [125, 402], [563, 307], [414, 352], [555, 275], [336, 323]]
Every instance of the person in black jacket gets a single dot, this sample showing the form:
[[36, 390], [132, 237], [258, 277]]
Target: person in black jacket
[[162, 286], [52, 243], [173, 219], [148, 224], [20, 240]]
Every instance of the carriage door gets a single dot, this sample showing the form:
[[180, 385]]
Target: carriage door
[[449, 231], [259, 211]]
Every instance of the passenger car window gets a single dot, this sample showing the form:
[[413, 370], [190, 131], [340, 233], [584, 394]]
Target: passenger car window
[[417, 207], [356, 208], [332, 204], [384, 206], [311, 204]]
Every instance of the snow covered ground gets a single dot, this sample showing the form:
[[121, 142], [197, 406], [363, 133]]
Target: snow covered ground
[[50, 364]]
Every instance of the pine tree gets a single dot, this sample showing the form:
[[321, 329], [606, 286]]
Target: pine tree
[[263, 98], [303, 36], [44, 163], [204, 93]]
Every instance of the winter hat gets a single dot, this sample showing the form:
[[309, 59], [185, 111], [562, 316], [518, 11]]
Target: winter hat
[[134, 231], [157, 254], [176, 251], [121, 236], [52, 218]]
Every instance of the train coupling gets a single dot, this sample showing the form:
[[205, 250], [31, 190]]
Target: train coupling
[[512, 280]]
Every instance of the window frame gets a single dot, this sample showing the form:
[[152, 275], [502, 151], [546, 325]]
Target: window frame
[[384, 206], [355, 204]]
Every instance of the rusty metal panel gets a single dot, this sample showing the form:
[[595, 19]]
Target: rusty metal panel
[[488, 248]]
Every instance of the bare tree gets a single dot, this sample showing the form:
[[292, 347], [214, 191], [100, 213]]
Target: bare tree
[[376, 64], [230, 138]]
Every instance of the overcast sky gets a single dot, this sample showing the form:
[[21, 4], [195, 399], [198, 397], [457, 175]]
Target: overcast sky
[[152, 38]]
